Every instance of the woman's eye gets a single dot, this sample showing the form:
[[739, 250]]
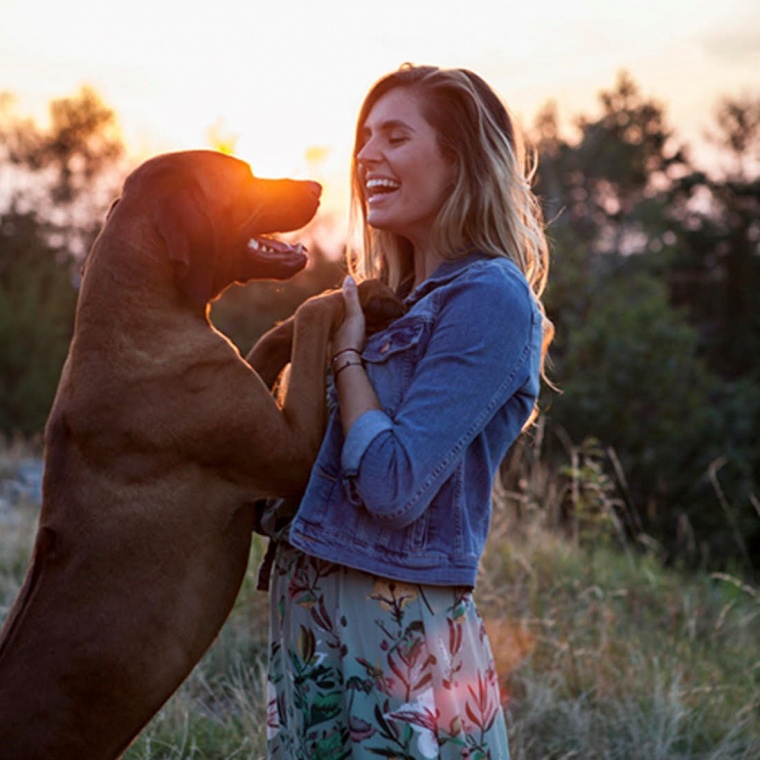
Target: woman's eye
[[397, 139]]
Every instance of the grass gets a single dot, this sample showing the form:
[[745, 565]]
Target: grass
[[603, 652], [626, 659]]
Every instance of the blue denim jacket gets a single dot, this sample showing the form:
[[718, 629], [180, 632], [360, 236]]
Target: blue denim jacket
[[407, 494]]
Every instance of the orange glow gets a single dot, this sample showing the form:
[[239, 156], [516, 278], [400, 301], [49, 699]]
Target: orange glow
[[510, 645]]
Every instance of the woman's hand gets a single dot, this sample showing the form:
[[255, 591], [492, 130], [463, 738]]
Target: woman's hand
[[351, 333], [355, 392]]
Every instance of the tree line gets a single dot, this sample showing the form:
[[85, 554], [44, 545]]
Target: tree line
[[655, 270]]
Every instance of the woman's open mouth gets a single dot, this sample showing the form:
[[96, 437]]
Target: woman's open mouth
[[380, 187]]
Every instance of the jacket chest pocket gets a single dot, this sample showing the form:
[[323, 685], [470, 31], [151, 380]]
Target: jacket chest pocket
[[391, 358]]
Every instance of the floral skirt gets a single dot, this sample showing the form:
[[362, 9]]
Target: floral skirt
[[365, 667]]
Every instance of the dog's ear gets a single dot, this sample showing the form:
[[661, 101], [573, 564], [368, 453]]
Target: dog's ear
[[189, 234]]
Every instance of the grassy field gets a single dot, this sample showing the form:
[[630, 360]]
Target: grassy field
[[603, 653]]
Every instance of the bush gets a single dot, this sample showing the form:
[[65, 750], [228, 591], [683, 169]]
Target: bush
[[37, 304], [631, 376]]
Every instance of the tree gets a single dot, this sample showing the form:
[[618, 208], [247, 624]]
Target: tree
[[63, 169], [79, 145], [716, 273], [654, 272], [37, 302], [603, 190]]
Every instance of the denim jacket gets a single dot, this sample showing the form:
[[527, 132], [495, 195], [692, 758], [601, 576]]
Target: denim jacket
[[407, 494]]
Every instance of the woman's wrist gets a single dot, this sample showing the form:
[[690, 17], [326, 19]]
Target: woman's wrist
[[345, 365], [344, 358], [345, 351]]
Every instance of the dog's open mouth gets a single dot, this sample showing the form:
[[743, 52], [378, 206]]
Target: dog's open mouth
[[271, 249], [276, 258]]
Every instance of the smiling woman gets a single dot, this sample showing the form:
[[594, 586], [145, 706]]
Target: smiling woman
[[386, 540]]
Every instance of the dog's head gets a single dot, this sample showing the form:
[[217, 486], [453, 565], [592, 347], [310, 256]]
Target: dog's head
[[214, 217]]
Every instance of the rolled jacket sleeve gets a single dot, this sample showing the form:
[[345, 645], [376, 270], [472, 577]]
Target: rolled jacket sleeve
[[481, 352], [366, 428]]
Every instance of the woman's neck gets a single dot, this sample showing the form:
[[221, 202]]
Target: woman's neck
[[425, 263]]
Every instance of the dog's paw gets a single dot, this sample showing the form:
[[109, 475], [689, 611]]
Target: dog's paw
[[380, 304]]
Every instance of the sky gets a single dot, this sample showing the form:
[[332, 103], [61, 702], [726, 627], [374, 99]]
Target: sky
[[285, 78]]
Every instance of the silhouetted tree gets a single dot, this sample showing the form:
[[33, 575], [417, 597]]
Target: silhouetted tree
[[716, 272], [57, 177], [80, 144], [603, 190]]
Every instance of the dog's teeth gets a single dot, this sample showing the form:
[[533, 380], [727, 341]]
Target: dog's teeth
[[259, 246]]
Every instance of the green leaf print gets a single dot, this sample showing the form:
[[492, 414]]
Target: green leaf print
[[324, 707]]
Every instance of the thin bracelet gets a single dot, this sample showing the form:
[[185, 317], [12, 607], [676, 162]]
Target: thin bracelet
[[345, 366], [345, 351]]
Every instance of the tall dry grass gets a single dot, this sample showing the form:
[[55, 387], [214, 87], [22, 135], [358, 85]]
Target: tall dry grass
[[624, 658]]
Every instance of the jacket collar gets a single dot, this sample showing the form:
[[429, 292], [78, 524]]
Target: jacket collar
[[445, 272]]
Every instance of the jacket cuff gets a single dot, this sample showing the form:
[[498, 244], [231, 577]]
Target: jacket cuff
[[364, 430]]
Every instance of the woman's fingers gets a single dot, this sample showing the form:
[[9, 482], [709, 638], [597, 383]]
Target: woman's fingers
[[351, 297], [351, 332]]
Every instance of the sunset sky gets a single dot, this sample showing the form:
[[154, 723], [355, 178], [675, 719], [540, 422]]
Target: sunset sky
[[286, 77]]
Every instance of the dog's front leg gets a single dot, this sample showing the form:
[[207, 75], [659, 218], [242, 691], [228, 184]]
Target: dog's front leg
[[313, 325], [293, 446], [304, 405], [271, 352]]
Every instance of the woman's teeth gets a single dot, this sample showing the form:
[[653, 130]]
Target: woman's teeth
[[381, 185]]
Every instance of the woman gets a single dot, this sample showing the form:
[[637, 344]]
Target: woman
[[376, 646]]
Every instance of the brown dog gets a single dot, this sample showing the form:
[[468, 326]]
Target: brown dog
[[160, 440]]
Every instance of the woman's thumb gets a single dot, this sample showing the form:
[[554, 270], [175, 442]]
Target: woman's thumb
[[351, 295]]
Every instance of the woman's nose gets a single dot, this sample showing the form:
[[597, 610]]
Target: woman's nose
[[368, 153]]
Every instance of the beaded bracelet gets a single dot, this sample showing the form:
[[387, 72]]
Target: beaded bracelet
[[345, 351], [340, 369]]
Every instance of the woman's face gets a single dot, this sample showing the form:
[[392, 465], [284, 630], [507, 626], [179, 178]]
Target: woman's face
[[403, 174]]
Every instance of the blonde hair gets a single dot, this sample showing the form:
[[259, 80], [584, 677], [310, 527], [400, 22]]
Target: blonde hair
[[491, 208]]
